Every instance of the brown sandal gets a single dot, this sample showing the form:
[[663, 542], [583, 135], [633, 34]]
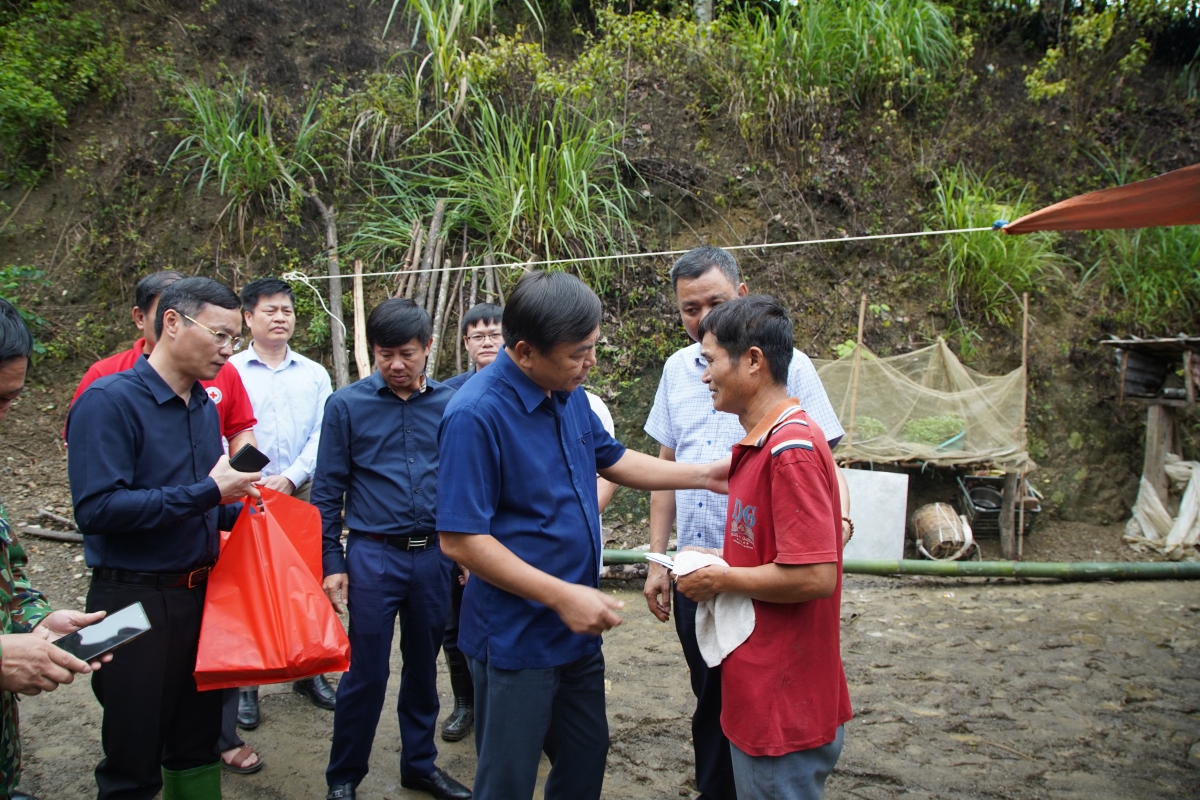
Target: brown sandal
[[238, 762]]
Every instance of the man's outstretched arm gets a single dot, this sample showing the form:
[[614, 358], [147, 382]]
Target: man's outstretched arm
[[640, 471]]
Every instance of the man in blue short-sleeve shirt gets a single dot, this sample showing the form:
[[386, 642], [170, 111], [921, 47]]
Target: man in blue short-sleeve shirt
[[520, 449]]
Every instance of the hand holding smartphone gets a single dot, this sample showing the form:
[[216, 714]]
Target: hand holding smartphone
[[88, 644]]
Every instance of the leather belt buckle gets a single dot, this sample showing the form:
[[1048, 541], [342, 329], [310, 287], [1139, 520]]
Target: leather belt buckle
[[414, 544], [201, 571]]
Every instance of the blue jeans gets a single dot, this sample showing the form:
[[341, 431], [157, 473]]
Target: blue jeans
[[794, 776], [521, 713], [386, 582]]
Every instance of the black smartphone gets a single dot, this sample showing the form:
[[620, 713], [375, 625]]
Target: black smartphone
[[248, 459], [117, 628]]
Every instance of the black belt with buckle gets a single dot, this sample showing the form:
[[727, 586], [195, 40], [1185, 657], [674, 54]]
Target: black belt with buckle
[[156, 580], [404, 542]]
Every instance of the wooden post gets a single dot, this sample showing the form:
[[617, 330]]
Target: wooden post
[[414, 240], [862, 317], [1121, 377], [337, 331], [1008, 499], [474, 287], [1024, 410], [458, 339], [410, 285], [439, 318], [489, 273], [362, 355], [1189, 374], [1160, 440]]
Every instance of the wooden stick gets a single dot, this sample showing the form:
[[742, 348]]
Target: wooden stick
[[61, 520], [402, 279], [436, 276], [337, 331], [474, 287], [411, 283], [430, 257], [54, 536], [361, 354], [489, 273], [1024, 404], [439, 319], [458, 339], [862, 318]]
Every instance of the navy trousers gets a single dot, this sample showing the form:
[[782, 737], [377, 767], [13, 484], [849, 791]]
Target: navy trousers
[[521, 713], [386, 582], [714, 765]]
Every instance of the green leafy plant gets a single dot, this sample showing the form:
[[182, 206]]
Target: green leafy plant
[[539, 185], [987, 271], [1154, 273], [21, 285], [52, 57], [867, 428], [788, 64], [228, 139], [934, 431]]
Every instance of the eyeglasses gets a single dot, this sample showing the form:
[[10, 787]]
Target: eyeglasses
[[219, 339], [479, 338]]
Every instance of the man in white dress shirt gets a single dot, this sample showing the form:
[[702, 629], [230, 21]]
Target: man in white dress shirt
[[288, 392], [688, 429]]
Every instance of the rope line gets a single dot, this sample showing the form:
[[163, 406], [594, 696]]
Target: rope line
[[527, 265]]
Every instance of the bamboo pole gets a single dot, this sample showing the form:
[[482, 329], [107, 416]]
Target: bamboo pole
[[862, 318], [414, 238], [337, 331], [361, 354], [474, 287], [1070, 571], [1024, 403], [410, 284], [458, 339], [439, 319], [489, 273], [428, 261], [436, 277]]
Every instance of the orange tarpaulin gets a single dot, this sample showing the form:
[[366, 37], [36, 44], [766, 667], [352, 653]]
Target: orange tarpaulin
[[1171, 199]]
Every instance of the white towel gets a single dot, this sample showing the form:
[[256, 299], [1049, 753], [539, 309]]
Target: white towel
[[722, 622]]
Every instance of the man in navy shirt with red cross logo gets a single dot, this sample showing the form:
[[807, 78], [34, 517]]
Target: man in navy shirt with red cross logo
[[784, 688]]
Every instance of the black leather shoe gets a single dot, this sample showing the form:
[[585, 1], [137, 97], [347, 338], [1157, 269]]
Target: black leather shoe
[[343, 791], [458, 724], [438, 784], [247, 715], [318, 691]]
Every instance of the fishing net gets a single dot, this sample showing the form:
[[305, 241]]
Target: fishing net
[[926, 406]]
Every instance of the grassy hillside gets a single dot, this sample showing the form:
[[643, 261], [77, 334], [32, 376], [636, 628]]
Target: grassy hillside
[[194, 134]]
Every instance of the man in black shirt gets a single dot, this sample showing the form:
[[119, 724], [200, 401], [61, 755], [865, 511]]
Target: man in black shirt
[[151, 484]]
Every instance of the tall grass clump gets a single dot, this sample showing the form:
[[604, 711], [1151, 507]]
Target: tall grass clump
[[538, 183], [52, 57], [986, 272], [228, 140], [787, 63], [1154, 273]]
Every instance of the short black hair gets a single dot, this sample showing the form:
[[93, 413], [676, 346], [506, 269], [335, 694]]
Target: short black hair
[[700, 260], [398, 321], [256, 290], [152, 286], [15, 339], [755, 320], [488, 313], [547, 309], [188, 296]]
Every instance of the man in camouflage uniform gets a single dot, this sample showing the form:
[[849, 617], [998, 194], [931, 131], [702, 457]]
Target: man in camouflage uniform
[[29, 663]]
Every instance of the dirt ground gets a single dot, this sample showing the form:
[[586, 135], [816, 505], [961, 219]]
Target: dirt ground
[[960, 689]]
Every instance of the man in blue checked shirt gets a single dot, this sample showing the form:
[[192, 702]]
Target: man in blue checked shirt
[[378, 460], [520, 449], [689, 430]]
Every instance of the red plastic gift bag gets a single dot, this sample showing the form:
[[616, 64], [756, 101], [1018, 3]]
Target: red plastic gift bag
[[266, 618]]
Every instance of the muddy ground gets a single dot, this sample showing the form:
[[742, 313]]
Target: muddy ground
[[960, 689]]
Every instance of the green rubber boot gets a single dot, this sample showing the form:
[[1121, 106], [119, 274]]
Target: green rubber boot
[[197, 783]]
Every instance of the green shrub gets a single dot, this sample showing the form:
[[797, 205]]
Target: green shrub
[[51, 58], [539, 183], [867, 428], [228, 139], [786, 65], [1154, 273], [987, 271]]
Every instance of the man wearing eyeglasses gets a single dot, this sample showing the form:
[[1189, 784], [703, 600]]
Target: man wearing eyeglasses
[[482, 338], [152, 487], [226, 390]]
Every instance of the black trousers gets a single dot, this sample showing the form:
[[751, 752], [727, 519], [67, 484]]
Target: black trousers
[[714, 762], [153, 715]]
